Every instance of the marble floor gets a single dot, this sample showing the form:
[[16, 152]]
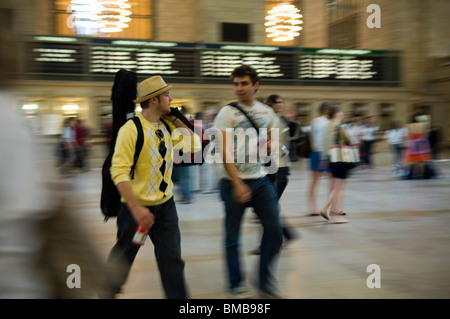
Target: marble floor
[[400, 226]]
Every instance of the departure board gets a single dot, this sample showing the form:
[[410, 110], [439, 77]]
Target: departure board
[[54, 58], [340, 68], [105, 59], [78, 58], [268, 65], [342, 65]]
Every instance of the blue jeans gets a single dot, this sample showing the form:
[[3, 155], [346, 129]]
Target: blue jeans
[[165, 235], [398, 153], [186, 180], [265, 203]]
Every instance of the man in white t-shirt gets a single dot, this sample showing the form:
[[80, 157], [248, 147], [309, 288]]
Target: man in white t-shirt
[[244, 182]]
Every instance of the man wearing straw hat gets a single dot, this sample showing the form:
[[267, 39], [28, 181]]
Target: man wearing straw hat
[[147, 199]]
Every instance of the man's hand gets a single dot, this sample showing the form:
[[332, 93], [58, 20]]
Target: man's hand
[[242, 193], [143, 217]]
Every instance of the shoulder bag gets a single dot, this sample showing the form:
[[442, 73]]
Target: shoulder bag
[[342, 153]]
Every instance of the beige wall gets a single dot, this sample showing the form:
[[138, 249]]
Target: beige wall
[[314, 33], [25, 16], [175, 20], [200, 20], [418, 28], [233, 11]]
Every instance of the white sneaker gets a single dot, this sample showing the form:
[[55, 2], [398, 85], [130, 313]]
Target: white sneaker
[[240, 293]]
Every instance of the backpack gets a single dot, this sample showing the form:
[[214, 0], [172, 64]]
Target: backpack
[[123, 96], [110, 198]]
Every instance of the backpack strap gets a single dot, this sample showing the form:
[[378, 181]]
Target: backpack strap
[[139, 143], [236, 105], [167, 126]]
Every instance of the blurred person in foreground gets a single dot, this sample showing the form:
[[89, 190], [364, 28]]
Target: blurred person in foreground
[[147, 200], [244, 183], [40, 233], [339, 170], [22, 204]]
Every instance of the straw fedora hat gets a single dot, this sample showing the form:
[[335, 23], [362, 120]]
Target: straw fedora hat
[[151, 87]]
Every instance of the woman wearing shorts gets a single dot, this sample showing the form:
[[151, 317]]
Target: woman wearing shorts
[[319, 164], [339, 170]]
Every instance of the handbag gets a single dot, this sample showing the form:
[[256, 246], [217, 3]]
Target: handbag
[[342, 153], [418, 146]]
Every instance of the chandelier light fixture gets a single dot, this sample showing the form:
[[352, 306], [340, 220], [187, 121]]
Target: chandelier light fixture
[[114, 15], [283, 22], [91, 17]]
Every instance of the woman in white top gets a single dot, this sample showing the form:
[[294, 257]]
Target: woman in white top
[[319, 165], [339, 170]]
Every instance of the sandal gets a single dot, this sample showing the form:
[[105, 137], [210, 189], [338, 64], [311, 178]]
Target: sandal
[[340, 213], [324, 215], [313, 214]]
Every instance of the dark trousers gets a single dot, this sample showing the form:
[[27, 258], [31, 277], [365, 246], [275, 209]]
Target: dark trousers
[[280, 180], [165, 235], [366, 158], [265, 203]]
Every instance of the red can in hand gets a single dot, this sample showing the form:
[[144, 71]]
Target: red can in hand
[[140, 236]]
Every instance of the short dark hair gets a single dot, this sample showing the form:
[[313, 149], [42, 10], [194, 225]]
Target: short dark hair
[[333, 110], [145, 104], [244, 70], [325, 107], [272, 99]]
